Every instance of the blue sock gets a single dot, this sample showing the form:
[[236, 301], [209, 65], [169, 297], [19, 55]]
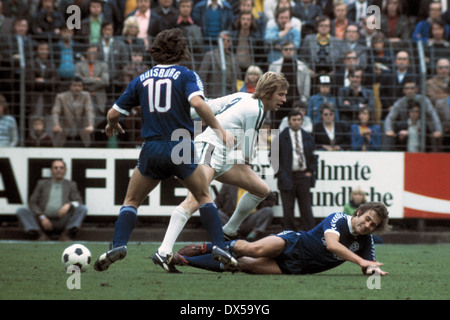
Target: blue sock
[[211, 221], [124, 225], [206, 262]]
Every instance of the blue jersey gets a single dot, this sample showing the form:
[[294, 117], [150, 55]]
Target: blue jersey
[[163, 93], [306, 252]]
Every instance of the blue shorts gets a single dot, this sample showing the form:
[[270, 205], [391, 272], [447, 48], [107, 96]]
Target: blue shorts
[[160, 159], [292, 259]]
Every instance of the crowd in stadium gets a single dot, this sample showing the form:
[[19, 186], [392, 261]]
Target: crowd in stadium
[[358, 74]]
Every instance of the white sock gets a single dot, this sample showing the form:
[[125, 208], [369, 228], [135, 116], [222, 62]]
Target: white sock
[[177, 222], [245, 206]]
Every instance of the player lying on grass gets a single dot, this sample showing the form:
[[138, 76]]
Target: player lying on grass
[[338, 238], [242, 114]]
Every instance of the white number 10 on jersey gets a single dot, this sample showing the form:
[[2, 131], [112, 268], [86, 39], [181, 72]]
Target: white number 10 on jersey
[[154, 94]]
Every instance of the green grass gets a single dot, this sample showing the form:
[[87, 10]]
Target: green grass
[[33, 270]]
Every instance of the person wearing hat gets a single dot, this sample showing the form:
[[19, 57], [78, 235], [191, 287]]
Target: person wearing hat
[[318, 99]]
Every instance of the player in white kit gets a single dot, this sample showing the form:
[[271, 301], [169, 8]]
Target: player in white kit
[[243, 115]]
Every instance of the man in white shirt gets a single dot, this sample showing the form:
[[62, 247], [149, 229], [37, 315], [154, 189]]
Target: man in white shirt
[[242, 114]]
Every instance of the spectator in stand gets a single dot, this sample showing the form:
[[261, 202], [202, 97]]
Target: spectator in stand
[[257, 10], [365, 135], [42, 78], [399, 113], [328, 134], [280, 30], [191, 31], [213, 16], [6, 23], [90, 31], [55, 207], [168, 13], [150, 23], [211, 73], [47, 22], [95, 77], [443, 110], [357, 198], [324, 95], [15, 8], [422, 30], [38, 136], [296, 73], [67, 53], [73, 116], [438, 87], [437, 47], [368, 29], [302, 107], [270, 7], [9, 136], [341, 76], [354, 97], [297, 171], [397, 24], [251, 78], [134, 68], [351, 37], [357, 11], [322, 51], [381, 59], [246, 42], [130, 34], [114, 53], [392, 81], [340, 22], [408, 133], [308, 13], [110, 12]]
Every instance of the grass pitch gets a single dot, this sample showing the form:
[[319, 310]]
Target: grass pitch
[[33, 270]]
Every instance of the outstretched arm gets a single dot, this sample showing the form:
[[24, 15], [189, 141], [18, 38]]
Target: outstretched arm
[[334, 246]]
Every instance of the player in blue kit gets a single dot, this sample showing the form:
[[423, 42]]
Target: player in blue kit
[[338, 238], [165, 93]]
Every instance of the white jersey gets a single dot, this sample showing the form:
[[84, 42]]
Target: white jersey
[[241, 115]]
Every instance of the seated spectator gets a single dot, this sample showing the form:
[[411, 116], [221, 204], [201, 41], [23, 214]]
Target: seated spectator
[[322, 52], [257, 10], [55, 207], [341, 76], [90, 31], [392, 81], [42, 81], [380, 58], [365, 135], [328, 134], [270, 7], [251, 78], [191, 31], [150, 23], [256, 224], [422, 29], [211, 73], [9, 136], [95, 77], [307, 12], [168, 13], [340, 22], [397, 24], [437, 47], [115, 54], [213, 16], [38, 136], [73, 117], [47, 22], [438, 87], [351, 37], [134, 68], [354, 97], [247, 42], [280, 30], [68, 52], [130, 34], [324, 95], [408, 133], [399, 112], [296, 73], [357, 10]]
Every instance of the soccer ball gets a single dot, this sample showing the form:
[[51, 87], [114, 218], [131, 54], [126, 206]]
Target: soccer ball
[[77, 255]]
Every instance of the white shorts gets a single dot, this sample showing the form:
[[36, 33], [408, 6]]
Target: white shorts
[[213, 157]]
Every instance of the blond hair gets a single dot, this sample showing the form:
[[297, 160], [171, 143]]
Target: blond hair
[[268, 83]]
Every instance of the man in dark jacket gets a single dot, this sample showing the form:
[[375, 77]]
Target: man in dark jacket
[[296, 173]]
